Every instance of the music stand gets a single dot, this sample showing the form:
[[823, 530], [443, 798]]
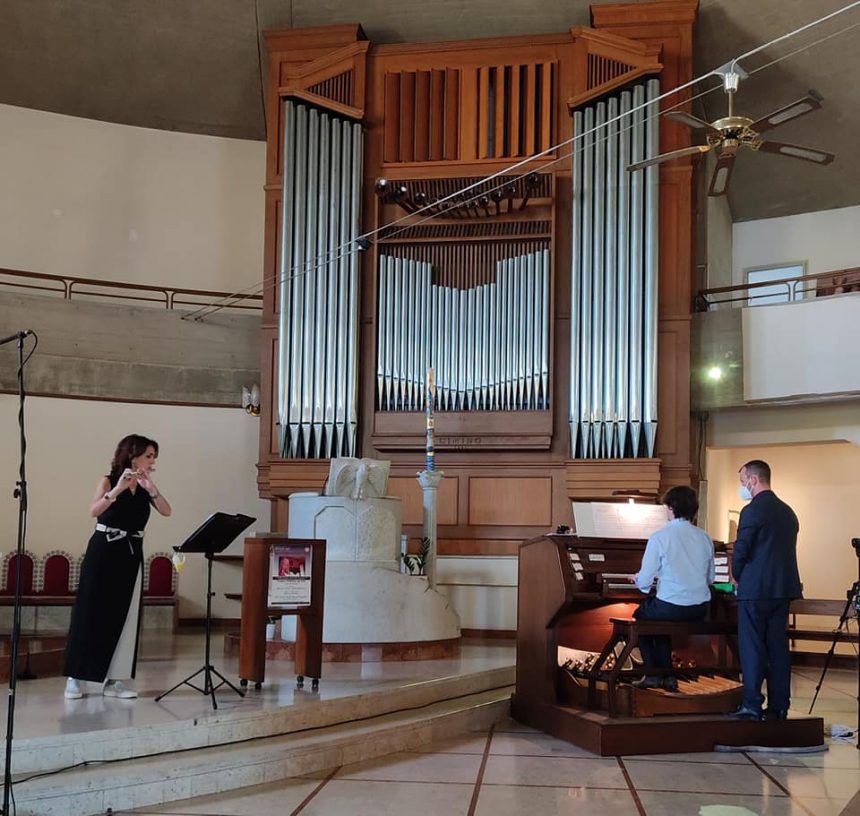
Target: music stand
[[211, 538]]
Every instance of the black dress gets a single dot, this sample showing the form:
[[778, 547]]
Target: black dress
[[109, 571]]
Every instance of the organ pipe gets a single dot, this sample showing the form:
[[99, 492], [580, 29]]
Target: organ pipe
[[613, 336], [317, 394], [488, 342]]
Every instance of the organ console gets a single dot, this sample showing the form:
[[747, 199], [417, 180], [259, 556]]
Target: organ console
[[574, 596]]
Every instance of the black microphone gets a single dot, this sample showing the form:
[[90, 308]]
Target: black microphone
[[17, 336]]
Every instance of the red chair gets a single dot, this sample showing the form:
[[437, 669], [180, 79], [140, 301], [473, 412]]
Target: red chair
[[26, 575], [160, 584], [58, 570]]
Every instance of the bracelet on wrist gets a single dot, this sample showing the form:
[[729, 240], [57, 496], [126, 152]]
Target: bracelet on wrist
[[154, 496], [108, 498]]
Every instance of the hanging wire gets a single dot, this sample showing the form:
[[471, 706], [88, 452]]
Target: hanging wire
[[346, 249], [351, 246]]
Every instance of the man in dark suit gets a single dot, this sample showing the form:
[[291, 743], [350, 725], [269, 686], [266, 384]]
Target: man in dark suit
[[764, 564]]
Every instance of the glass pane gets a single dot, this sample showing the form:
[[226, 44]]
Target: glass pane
[[779, 292]]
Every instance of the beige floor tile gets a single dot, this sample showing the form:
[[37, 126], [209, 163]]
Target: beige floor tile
[[701, 804], [456, 745], [260, 800], [648, 774], [718, 757], [554, 771], [824, 783], [514, 726], [342, 797], [510, 800], [415, 767], [534, 744], [839, 755]]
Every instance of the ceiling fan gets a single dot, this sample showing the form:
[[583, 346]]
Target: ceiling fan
[[732, 132]]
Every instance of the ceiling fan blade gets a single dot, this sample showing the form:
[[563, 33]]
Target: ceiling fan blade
[[722, 175], [797, 152], [801, 107], [664, 157], [691, 121]]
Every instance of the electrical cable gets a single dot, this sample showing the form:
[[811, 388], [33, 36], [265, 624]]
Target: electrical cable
[[348, 248]]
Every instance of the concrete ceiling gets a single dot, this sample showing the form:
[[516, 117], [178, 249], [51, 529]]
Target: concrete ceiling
[[194, 66]]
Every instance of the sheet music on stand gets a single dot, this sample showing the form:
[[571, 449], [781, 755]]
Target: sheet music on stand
[[617, 519]]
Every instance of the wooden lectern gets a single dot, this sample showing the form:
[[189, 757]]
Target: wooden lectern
[[255, 611]]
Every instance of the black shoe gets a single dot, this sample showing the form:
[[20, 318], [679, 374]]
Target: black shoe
[[744, 712], [774, 714], [670, 683], [648, 682]]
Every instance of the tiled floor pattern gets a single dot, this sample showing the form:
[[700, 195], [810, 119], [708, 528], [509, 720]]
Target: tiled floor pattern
[[509, 770], [512, 770]]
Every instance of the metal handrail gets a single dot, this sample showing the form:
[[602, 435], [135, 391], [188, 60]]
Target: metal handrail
[[170, 297], [796, 288]]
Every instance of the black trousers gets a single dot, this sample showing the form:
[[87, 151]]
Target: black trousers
[[108, 575], [656, 650], [764, 652]]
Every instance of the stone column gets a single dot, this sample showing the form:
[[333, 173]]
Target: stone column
[[429, 481]]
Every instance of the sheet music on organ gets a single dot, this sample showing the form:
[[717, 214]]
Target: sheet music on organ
[[617, 519]]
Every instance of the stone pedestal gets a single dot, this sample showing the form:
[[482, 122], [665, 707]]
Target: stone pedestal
[[368, 599]]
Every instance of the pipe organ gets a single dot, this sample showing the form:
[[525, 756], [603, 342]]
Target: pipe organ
[[488, 343], [613, 338], [317, 401], [529, 285]]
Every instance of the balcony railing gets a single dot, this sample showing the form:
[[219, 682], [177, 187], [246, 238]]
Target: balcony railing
[[799, 287], [168, 297]]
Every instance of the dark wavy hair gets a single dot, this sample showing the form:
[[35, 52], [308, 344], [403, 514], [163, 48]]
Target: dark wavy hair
[[683, 502], [130, 447]]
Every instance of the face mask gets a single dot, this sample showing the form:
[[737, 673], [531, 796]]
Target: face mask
[[744, 492]]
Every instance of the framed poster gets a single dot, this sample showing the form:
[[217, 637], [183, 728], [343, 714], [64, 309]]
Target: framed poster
[[290, 575]]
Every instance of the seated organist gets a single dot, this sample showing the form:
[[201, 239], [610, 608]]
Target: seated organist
[[680, 557]]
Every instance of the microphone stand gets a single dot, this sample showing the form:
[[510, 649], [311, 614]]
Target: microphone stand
[[20, 493]]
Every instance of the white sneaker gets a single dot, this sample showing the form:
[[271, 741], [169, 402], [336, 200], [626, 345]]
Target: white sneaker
[[73, 689], [115, 688]]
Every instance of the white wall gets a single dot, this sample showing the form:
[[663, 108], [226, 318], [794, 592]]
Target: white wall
[[98, 200], [92, 199], [718, 233], [482, 589], [821, 483], [827, 240], [206, 463], [785, 424], [806, 349]]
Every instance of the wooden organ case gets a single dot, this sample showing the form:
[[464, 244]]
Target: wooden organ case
[[476, 284], [446, 205]]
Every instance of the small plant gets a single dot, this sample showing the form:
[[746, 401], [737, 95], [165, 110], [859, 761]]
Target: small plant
[[417, 564]]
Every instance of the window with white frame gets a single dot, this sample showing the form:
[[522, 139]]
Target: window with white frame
[[777, 292]]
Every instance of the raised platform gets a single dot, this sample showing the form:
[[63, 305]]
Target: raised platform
[[39, 655], [601, 734], [278, 649], [154, 753]]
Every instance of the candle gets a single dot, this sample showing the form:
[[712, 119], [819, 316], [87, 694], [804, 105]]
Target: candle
[[430, 459]]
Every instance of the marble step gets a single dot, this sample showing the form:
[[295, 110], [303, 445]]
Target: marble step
[[167, 777], [223, 727]]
